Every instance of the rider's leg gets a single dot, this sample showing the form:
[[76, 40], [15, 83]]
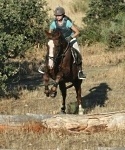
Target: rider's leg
[[81, 75]]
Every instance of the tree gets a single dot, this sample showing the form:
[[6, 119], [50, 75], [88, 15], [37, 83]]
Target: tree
[[104, 22], [22, 24]]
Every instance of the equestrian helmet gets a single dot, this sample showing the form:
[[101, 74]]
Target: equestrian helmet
[[59, 11]]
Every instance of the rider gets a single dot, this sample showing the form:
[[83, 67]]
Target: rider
[[69, 31]]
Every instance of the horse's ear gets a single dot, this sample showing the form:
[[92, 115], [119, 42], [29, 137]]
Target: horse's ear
[[58, 34], [48, 34]]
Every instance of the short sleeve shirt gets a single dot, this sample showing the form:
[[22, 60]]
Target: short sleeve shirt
[[69, 24]]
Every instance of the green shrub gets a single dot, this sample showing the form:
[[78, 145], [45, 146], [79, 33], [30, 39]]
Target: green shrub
[[105, 18], [22, 24], [89, 35]]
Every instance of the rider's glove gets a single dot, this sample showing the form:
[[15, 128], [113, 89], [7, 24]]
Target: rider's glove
[[69, 39]]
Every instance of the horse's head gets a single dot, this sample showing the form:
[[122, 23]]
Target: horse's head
[[56, 46], [57, 37]]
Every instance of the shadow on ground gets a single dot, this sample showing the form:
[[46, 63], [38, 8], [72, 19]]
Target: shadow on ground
[[97, 97], [28, 78]]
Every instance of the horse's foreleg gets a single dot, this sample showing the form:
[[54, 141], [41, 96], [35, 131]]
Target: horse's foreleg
[[63, 90], [77, 85], [55, 85], [46, 83]]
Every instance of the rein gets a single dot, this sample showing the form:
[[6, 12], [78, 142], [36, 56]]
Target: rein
[[63, 54], [60, 47], [66, 48]]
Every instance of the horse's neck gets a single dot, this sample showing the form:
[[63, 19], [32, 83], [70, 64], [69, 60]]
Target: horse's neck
[[68, 56], [64, 43]]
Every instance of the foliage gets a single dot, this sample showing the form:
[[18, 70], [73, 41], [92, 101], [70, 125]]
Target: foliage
[[105, 18], [21, 26], [80, 6]]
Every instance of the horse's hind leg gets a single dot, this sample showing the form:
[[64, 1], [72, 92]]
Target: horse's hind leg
[[77, 85], [63, 90], [46, 83]]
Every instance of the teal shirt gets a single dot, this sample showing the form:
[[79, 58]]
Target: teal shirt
[[65, 27], [69, 24]]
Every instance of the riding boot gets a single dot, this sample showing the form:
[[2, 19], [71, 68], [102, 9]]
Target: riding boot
[[78, 60], [81, 74]]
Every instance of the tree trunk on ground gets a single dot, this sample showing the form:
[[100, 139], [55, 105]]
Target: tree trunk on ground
[[73, 123]]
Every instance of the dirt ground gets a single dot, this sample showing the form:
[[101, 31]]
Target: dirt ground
[[102, 91]]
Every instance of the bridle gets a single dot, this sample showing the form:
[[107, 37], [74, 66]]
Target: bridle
[[60, 49]]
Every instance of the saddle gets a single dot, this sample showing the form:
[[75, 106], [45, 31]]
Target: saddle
[[75, 53], [76, 56]]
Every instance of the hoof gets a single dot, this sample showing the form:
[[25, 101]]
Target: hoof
[[81, 110], [62, 112], [53, 94], [47, 94]]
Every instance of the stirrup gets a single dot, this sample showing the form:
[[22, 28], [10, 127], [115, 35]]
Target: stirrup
[[81, 75], [40, 70]]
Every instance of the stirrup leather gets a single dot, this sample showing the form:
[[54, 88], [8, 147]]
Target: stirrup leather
[[76, 56]]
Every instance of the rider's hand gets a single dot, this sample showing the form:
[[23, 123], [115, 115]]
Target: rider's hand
[[69, 39]]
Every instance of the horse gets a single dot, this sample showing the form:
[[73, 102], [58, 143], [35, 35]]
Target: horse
[[63, 71]]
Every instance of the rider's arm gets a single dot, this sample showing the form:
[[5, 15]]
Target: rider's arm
[[74, 29], [52, 27], [50, 31]]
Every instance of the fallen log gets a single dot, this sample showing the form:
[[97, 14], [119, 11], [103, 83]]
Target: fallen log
[[88, 123]]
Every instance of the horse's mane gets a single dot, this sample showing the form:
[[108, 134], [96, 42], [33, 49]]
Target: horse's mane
[[58, 31]]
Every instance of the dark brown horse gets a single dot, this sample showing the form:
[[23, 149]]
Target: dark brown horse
[[63, 71]]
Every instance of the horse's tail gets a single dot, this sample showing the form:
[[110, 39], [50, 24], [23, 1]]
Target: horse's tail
[[69, 86]]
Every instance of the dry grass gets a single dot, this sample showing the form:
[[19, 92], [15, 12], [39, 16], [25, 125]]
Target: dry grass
[[102, 68], [60, 141], [100, 71]]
